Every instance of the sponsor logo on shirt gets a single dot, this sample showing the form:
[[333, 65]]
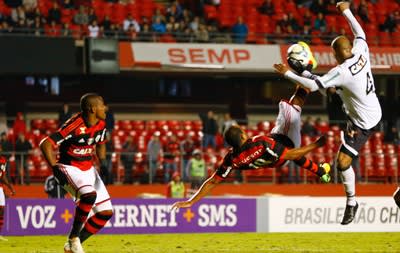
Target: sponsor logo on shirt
[[358, 65]]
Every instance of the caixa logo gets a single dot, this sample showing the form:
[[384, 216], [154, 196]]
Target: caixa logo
[[36, 216], [217, 215]]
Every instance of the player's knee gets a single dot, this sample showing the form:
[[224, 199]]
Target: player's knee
[[89, 198], [343, 164]]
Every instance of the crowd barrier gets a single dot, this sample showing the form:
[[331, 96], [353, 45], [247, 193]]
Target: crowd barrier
[[263, 214]]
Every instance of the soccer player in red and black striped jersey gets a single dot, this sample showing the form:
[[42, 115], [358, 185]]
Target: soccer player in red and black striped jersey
[[3, 180], [79, 139], [262, 151]]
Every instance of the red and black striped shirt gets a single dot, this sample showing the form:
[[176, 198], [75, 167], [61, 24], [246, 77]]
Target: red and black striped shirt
[[77, 141], [257, 152]]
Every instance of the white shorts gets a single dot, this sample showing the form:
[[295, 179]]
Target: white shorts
[[81, 182], [288, 122], [2, 197]]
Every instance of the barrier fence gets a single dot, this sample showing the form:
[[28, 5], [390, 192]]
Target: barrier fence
[[263, 214]]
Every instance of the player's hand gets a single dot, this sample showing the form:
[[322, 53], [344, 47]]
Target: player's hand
[[321, 141], [281, 68], [12, 192], [180, 204], [297, 66], [342, 6]]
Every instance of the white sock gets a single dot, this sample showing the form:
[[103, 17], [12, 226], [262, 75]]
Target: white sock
[[349, 182]]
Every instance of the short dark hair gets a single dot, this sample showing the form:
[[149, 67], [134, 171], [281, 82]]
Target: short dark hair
[[233, 136], [86, 99]]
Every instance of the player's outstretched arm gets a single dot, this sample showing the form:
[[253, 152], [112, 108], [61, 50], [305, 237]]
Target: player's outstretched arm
[[296, 153], [284, 71], [205, 188], [344, 8]]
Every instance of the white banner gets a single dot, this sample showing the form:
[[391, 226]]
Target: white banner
[[239, 57], [324, 214]]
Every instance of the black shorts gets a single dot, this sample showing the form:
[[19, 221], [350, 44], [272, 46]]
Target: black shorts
[[353, 138]]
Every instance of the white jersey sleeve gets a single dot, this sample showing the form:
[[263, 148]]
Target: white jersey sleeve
[[334, 78]]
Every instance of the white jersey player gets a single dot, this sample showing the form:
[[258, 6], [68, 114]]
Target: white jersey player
[[352, 78]]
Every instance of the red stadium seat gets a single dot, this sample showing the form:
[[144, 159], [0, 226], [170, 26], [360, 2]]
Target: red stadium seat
[[210, 12], [385, 39]]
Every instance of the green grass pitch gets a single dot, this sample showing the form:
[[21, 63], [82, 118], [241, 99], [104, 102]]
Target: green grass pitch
[[219, 242]]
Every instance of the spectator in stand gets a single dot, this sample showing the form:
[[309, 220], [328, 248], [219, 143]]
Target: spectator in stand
[[389, 25], [115, 31], [194, 25], [293, 22], [130, 21], [284, 23], [22, 148], [186, 147], [320, 23], [106, 24], [6, 28], [202, 34], [129, 150], [362, 11], [158, 26], [267, 8], [81, 17], [392, 136], [94, 29], [64, 114], [19, 125], [17, 14], [196, 169], [175, 11], [4, 181], [92, 15], [172, 25], [186, 16], [306, 34], [29, 5], [67, 4], [318, 6], [308, 18], [176, 187], [308, 127], [171, 154], [54, 13], [239, 31], [131, 33], [66, 30], [210, 129], [146, 34], [53, 189], [37, 27], [159, 15], [54, 30], [154, 151]]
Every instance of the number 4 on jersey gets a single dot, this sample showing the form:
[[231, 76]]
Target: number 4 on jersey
[[370, 84]]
